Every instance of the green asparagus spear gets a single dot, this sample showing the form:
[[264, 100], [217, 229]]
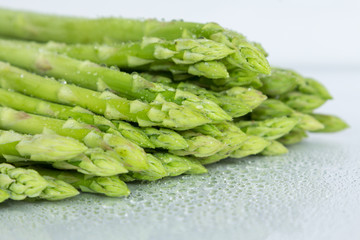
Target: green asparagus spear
[[3, 195], [302, 102], [199, 145], [135, 134], [40, 147], [20, 183], [295, 136], [275, 148], [269, 129], [331, 123], [110, 186], [39, 27], [313, 87], [155, 172], [252, 145], [99, 78], [57, 190], [158, 113], [132, 156], [149, 50]]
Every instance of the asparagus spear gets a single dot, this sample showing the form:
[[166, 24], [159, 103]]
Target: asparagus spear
[[199, 145], [275, 148], [57, 190], [43, 28], [144, 52], [302, 102], [252, 145], [96, 77], [3, 195], [40, 147], [132, 156], [331, 123], [20, 183], [269, 129], [296, 135], [110, 186], [158, 113], [236, 101]]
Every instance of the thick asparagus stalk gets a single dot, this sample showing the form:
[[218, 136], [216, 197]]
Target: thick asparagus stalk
[[296, 135], [3, 195], [40, 147], [331, 123], [252, 145], [43, 28], [158, 113], [20, 183], [57, 190], [132, 156], [110, 186], [96, 77]]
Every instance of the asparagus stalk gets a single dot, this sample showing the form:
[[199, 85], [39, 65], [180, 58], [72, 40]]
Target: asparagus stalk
[[295, 136], [98, 78], [3, 195], [110, 186], [132, 156], [269, 129], [275, 148], [40, 147], [57, 190], [236, 101], [302, 102], [158, 113], [144, 52], [20, 183], [40, 27], [331, 123], [252, 145]]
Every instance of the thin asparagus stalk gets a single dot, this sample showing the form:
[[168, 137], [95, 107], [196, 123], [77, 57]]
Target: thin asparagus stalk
[[40, 27], [331, 123], [132, 156], [20, 183], [40, 147], [166, 138], [302, 102], [158, 113], [275, 148], [90, 75], [57, 190], [110, 186], [3, 195]]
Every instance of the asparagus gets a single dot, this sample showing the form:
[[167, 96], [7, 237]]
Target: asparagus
[[90, 75], [302, 102], [43, 28], [3, 195], [313, 87], [158, 113], [144, 52], [295, 136], [40, 147], [110, 186], [57, 190], [252, 145], [20, 183], [236, 101], [199, 145], [269, 129], [144, 137], [331, 123], [272, 108], [275, 148], [129, 154]]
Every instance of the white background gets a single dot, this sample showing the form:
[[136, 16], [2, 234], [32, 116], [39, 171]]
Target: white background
[[300, 34]]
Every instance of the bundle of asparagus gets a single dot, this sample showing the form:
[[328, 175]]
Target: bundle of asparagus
[[187, 95]]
